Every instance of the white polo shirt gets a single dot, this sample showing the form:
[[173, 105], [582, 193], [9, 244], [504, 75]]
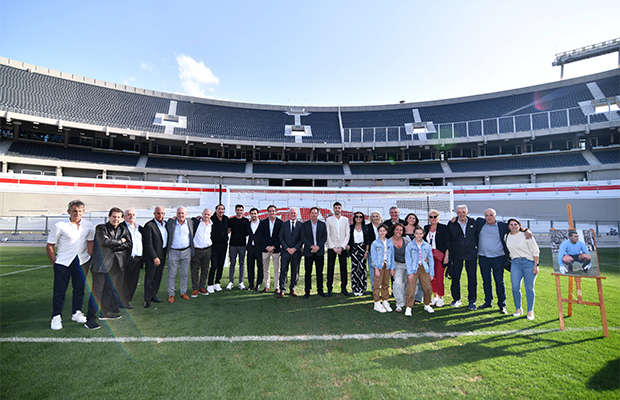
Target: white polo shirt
[[70, 240]]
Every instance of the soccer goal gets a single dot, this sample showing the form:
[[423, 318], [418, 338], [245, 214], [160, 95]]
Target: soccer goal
[[409, 200]]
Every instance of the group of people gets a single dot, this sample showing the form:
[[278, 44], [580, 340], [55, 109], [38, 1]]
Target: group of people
[[411, 257]]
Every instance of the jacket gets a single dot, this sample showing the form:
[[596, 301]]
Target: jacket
[[109, 247], [412, 257]]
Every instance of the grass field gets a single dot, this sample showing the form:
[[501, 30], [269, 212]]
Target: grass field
[[236, 344]]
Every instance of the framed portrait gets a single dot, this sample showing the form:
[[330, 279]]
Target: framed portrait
[[574, 252]]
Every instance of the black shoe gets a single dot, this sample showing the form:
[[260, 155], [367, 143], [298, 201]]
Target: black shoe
[[322, 294], [92, 324], [111, 316], [147, 304], [251, 287], [155, 300], [307, 295], [485, 305], [329, 293]]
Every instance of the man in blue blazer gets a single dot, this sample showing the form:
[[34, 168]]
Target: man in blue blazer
[[290, 239], [314, 237]]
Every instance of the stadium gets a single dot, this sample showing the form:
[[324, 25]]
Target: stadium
[[526, 152]]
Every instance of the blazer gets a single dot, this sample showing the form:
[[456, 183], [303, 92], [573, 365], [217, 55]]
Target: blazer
[[365, 228], [442, 237], [170, 227], [253, 237], [152, 242], [388, 222], [290, 239], [109, 247], [308, 240], [267, 239], [463, 247], [412, 257], [371, 233], [376, 254], [332, 232]]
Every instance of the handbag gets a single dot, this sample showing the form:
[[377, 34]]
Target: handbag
[[507, 261]]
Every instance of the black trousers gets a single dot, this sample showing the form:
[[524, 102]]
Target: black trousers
[[104, 295], [152, 277], [472, 287], [319, 262], [255, 257], [218, 258], [62, 275], [285, 260], [131, 275], [331, 263]]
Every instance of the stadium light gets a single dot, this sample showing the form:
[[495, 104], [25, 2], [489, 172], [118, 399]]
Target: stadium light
[[583, 53]]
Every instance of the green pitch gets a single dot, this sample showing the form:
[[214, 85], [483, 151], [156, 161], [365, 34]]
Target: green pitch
[[235, 344]]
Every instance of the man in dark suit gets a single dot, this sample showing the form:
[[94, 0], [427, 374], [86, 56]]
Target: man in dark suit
[[254, 251], [463, 249], [290, 239], [314, 237], [112, 249], [491, 257], [134, 264], [394, 218], [180, 252], [270, 242], [155, 241]]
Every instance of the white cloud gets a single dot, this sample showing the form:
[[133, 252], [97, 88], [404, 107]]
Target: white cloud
[[146, 65], [126, 81], [195, 76]]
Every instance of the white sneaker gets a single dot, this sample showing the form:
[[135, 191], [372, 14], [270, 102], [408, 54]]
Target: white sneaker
[[434, 301], [386, 305], [429, 309], [562, 269], [456, 303], [57, 323], [217, 287], [439, 302], [241, 286], [399, 309], [408, 312], [379, 307], [211, 289], [587, 267], [78, 317], [518, 313], [228, 287]]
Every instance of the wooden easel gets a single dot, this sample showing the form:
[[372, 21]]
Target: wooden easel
[[579, 300]]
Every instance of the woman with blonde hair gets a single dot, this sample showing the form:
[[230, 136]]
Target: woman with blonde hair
[[438, 236]]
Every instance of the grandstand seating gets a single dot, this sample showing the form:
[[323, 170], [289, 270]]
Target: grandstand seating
[[395, 169], [519, 162], [298, 169], [195, 165], [608, 156], [325, 127], [56, 152]]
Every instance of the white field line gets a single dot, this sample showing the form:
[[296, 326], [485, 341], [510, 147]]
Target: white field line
[[23, 270], [294, 338]]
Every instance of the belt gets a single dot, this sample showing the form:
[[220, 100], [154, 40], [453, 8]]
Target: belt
[[136, 257], [202, 248], [181, 249]]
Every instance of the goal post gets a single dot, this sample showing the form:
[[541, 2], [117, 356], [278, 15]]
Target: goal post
[[409, 200]]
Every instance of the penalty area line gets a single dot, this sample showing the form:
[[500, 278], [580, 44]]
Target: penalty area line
[[293, 338], [24, 270]]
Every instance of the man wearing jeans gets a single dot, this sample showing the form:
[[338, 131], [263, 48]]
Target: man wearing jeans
[[238, 226], [73, 239], [491, 258]]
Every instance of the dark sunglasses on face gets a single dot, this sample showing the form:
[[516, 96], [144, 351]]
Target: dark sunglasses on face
[[433, 216], [358, 216]]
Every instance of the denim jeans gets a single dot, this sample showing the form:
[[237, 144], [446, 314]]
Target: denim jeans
[[493, 265], [522, 269]]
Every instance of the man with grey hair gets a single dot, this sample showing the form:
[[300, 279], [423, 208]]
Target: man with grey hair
[[290, 240], [463, 250], [202, 252], [73, 239], [132, 270], [180, 252]]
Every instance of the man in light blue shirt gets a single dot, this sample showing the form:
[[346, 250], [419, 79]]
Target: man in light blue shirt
[[572, 250]]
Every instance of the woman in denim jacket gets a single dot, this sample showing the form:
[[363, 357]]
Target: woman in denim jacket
[[382, 260], [419, 254]]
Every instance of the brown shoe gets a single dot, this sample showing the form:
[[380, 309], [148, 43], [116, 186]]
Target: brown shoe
[[280, 295], [203, 292], [294, 293], [184, 296], [265, 290], [194, 293], [170, 299]]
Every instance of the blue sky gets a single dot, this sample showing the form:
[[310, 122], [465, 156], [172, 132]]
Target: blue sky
[[311, 53]]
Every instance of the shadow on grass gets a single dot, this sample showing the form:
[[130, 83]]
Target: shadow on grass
[[607, 378]]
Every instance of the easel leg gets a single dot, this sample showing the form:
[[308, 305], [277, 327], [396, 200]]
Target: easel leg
[[601, 301], [570, 295], [560, 307]]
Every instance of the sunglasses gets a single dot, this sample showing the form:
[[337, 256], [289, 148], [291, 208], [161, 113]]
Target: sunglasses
[[433, 216], [359, 216]]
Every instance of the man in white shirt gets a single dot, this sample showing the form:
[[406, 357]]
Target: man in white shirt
[[337, 246], [180, 252], [132, 270], [199, 265], [73, 239]]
